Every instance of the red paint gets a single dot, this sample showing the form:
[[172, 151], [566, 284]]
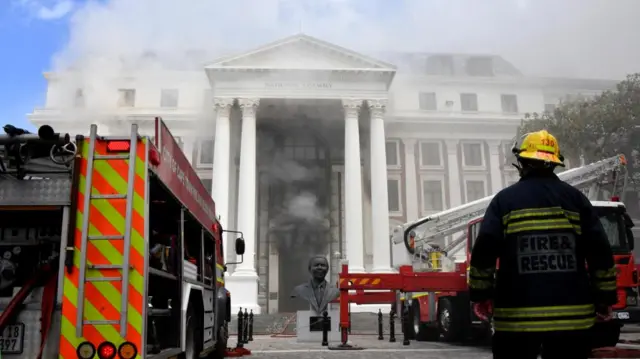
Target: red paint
[[176, 173]]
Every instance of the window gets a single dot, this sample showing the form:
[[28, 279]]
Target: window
[[440, 65], [393, 153], [432, 194], [430, 154], [509, 157], [472, 153], [469, 102], [205, 155], [393, 190], [427, 101], [480, 66], [169, 98], [549, 107], [78, 100], [208, 183], [509, 103], [475, 190], [126, 98]]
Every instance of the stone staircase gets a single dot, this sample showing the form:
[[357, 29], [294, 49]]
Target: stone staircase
[[285, 324]]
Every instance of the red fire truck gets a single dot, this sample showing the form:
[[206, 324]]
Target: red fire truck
[[110, 249]]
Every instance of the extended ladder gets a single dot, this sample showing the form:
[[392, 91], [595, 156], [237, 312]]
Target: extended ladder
[[89, 199], [456, 219]]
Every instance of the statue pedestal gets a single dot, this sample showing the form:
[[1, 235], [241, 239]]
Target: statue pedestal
[[309, 326]]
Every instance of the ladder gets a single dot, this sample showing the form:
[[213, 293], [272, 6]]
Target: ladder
[[126, 236], [456, 219]]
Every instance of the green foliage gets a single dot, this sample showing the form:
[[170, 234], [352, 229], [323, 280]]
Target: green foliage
[[596, 128]]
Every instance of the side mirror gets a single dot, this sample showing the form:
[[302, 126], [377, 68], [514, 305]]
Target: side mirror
[[239, 246]]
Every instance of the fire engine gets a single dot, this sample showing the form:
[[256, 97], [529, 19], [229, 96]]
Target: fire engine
[[110, 249], [431, 283]]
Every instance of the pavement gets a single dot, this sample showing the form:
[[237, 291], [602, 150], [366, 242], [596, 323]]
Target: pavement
[[265, 346], [286, 346]]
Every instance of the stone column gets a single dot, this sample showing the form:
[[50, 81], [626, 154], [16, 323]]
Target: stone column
[[379, 201], [244, 279], [353, 186], [411, 179], [221, 158], [495, 163], [453, 169]]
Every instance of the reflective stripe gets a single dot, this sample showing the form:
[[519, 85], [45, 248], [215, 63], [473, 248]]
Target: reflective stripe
[[536, 219], [537, 212], [219, 274], [481, 278], [542, 224], [605, 280], [545, 312], [107, 218], [545, 326]]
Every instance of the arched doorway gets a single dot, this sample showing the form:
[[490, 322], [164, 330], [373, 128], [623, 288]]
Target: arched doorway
[[299, 200]]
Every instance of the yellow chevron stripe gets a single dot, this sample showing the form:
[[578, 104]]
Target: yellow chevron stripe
[[364, 281], [376, 281]]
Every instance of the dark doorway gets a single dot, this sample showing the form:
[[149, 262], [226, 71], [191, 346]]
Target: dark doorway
[[299, 195]]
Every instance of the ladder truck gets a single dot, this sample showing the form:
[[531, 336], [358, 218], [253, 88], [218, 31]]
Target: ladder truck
[[111, 248], [431, 285]]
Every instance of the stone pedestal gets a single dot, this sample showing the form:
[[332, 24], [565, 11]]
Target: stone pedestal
[[305, 321]]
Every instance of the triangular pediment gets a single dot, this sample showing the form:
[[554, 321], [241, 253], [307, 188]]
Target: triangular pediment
[[301, 52]]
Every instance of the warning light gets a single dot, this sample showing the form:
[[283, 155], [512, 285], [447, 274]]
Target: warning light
[[127, 350], [106, 350], [214, 228], [86, 350], [154, 156], [118, 146], [615, 199]]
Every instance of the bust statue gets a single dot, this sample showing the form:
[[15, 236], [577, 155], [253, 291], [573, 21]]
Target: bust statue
[[317, 290]]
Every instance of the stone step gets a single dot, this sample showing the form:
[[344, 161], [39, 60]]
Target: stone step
[[285, 324]]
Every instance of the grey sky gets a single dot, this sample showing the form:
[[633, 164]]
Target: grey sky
[[574, 38]]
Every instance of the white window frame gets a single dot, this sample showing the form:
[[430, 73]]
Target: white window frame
[[397, 177], [206, 175], [476, 178], [435, 98], [198, 151], [121, 98], [477, 102], [440, 149], [512, 95], [162, 98], [432, 177], [465, 166], [506, 148], [398, 155]]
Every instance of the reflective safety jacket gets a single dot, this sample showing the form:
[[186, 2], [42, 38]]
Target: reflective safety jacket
[[545, 234]]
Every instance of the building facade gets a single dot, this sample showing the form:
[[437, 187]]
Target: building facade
[[310, 148]]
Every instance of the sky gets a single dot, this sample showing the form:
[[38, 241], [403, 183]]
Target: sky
[[568, 38]]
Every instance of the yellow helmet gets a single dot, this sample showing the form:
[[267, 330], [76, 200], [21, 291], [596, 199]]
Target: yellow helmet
[[541, 146]]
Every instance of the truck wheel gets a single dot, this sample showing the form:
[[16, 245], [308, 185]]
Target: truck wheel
[[193, 345], [221, 344], [451, 322], [421, 331]]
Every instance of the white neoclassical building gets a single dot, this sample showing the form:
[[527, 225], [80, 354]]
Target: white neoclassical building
[[311, 148]]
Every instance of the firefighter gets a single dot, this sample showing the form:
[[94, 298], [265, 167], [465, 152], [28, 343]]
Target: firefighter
[[542, 299]]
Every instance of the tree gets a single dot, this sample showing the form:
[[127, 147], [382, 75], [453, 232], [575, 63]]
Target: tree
[[596, 128]]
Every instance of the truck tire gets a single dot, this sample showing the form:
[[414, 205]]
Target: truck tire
[[421, 331], [451, 319], [220, 348], [193, 346]]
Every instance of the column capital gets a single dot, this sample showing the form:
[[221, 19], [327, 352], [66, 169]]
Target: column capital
[[452, 146], [410, 144], [248, 106], [352, 107], [377, 108], [223, 105]]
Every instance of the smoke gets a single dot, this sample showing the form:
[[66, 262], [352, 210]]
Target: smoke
[[583, 38]]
